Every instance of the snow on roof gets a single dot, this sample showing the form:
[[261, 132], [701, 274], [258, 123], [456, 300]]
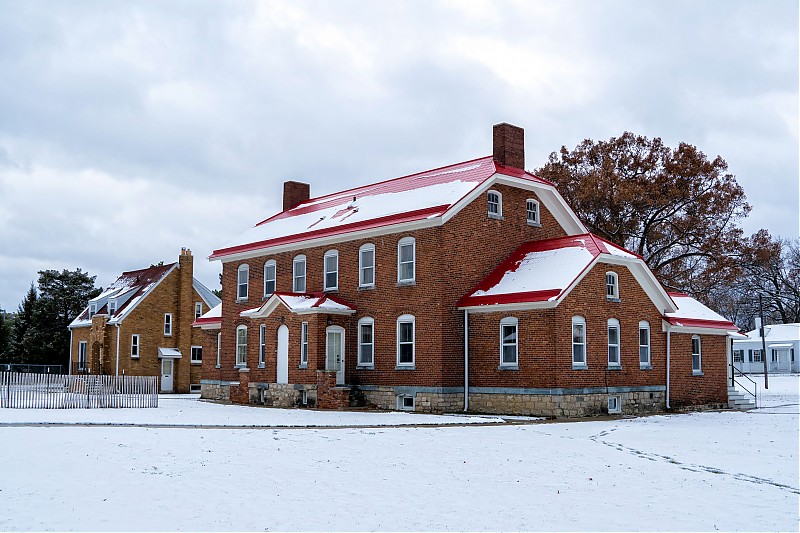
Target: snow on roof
[[777, 333], [409, 198], [172, 353], [301, 303], [212, 319], [540, 271], [692, 313], [205, 293]]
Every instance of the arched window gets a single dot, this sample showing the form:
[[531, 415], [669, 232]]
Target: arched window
[[299, 274], [241, 346], [270, 277], [697, 356], [612, 286], [613, 343], [366, 265], [366, 342], [495, 201], [578, 342], [242, 278], [532, 212], [405, 340], [406, 262], [509, 349], [644, 344], [331, 266]]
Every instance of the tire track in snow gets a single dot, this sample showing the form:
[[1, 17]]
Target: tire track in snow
[[691, 467]]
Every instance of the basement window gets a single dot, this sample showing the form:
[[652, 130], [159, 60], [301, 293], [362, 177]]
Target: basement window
[[405, 402], [194, 388], [614, 405]]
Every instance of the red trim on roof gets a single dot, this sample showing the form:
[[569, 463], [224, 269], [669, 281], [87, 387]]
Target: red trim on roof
[[678, 295], [701, 323], [411, 216], [513, 298], [204, 321]]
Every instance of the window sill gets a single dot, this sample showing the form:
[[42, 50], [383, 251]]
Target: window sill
[[217, 366], [495, 217], [697, 373], [239, 366], [534, 224], [365, 367], [645, 367], [615, 300], [409, 283], [168, 334], [508, 367], [615, 367], [366, 287], [136, 357], [262, 366], [241, 300], [265, 297], [196, 363], [331, 290], [579, 367], [302, 367], [405, 367]]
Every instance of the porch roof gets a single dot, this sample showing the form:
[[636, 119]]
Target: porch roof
[[301, 304]]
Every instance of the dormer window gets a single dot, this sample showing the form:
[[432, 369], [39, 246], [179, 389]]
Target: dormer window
[[92, 309], [495, 200], [112, 307], [532, 212], [612, 286]]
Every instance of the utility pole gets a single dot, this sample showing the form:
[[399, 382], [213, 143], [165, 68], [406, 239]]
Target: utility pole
[[763, 342]]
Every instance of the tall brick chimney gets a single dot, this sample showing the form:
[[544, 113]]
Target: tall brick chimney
[[183, 318], [295, 193], [509, 145]]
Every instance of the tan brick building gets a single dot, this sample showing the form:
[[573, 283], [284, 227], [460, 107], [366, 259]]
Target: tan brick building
[[364, 297], [141, 325]]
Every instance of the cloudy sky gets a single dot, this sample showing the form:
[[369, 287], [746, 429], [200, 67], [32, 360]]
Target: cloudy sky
[[130, 129]]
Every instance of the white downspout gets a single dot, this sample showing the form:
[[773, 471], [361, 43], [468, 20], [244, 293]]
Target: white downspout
[[669, 330], [116, 370], [69, 368], [466, 360]]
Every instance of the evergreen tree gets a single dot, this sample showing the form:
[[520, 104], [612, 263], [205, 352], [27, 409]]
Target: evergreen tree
[[22, 325], [5, 336]]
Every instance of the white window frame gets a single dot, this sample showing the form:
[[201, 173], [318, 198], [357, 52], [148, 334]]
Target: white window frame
[[304, 345], [219, 349], [241, 346], [262, 346], [192, 358], [644, 326], [739, 354], [168, 324], [578, 321], [613, 324], [112, 307], [366, 248], [498, 204], [612, 285], [758, 356], [82, 347], [698, 370], [509, 321], [406, 241], [535, 220], [198, 310], [328, 255], [616, 401], [92, 309], [401, 402], [242, 295], [406, 319], [364, 322], [298, 260], [135, 346], [274, 279]]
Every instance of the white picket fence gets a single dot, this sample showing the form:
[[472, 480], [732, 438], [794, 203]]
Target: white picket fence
[[59, 391]]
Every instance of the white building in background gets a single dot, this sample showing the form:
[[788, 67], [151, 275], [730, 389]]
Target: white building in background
[[783, 349]]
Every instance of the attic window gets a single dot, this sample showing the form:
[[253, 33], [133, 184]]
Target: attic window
[[532, 212], [112, 307], [612, 286], [92, 309], [495, 201]]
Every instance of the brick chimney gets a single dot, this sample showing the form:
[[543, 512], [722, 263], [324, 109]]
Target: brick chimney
[[295, 193], [509, 145]]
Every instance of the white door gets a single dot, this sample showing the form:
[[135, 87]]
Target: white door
[[334, 350], [783, 360], [283, 355], [167, 368]]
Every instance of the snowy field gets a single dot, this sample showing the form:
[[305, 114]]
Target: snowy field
[[701, 471]]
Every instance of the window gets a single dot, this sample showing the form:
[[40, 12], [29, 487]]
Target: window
[[242, 278], [757, 356], [197, 355], [366, 266], [241, 346], [405, 402], [195, 388], [219, 349], [578, 342], [644, 344], [304, 344], [112, 307], [406, 251], [269, 277], [82, 355], [697, 357], [366, 342], [614, 405], [508, 342], [495, 200], [92, 309], [774, 356], [738, 356], [612, 286], [331, 261], [198, 310], [405, 340], [135, 346], [167, 324], [613, 343], [262, 346], [299, 274], [532, 212]]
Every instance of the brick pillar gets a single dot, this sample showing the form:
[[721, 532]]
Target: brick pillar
[[241, 394], [509, 145], [184, 316]]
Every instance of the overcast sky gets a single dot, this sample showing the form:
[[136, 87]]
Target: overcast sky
[[130, 129]]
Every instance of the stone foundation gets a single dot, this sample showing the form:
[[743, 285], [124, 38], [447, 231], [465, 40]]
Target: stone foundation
[[426, 399], [566, 405], [282, 395], [216, 390]]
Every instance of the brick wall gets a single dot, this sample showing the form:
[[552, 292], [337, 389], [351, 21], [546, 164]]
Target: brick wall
[[686, 388]]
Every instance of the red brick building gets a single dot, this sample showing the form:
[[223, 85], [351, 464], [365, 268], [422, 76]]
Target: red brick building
[[476, 276], [141, 325]]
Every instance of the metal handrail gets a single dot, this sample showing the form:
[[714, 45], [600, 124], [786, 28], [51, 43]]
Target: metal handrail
[[742, 374]]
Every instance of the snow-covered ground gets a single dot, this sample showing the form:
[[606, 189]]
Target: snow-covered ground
[[700, 471]]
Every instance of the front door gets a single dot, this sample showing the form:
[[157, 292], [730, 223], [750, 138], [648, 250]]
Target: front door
[[334, 350], [283, 355], [783, 360], [167, 368]]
